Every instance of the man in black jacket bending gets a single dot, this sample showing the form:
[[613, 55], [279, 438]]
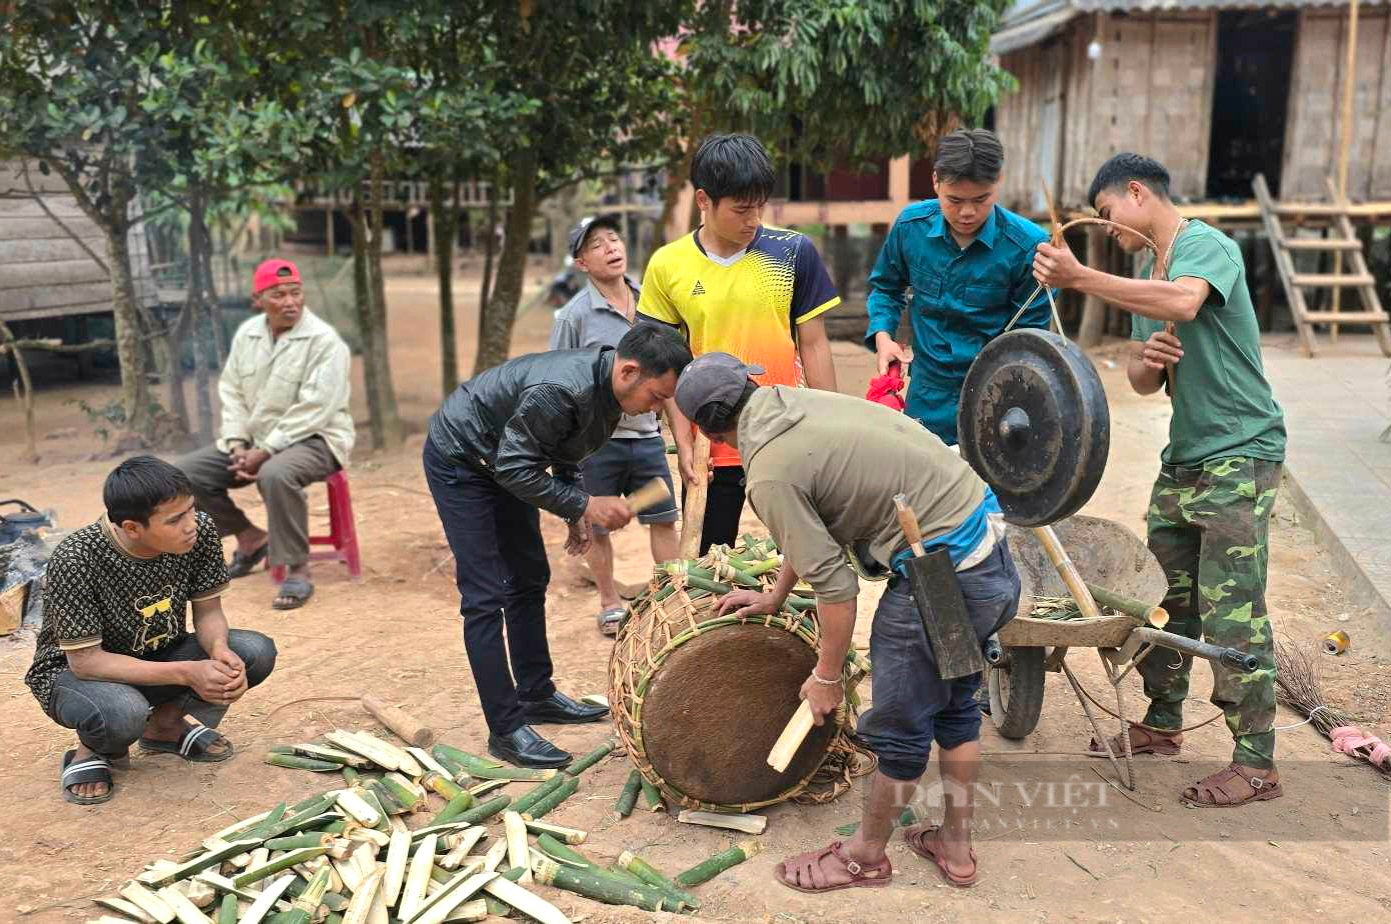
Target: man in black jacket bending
[[486, 462]]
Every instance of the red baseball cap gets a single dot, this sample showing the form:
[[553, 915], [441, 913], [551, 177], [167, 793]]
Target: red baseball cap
[[273, 272]]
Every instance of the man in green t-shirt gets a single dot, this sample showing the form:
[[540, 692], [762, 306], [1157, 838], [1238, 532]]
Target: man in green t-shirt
[[1209, 514]]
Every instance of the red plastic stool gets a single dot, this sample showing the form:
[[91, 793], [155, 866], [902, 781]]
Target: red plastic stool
[[342, 531]]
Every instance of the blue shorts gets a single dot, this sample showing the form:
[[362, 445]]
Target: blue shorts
[[620, 467], [912, 706]]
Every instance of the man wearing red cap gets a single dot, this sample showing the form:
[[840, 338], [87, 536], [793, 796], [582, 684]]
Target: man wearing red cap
[[285, 424]]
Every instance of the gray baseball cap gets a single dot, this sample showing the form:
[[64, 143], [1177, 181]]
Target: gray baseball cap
[[575, 240], [710, 387]]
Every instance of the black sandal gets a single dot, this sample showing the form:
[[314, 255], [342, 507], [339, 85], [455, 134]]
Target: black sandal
[[295, 592], [94, 769], [242, 565], [192, 745]]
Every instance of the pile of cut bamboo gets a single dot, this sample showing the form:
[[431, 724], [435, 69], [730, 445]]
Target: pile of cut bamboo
[[348, 855]]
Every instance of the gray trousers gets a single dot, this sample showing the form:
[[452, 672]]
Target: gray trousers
[[109, 717], [281, 482]]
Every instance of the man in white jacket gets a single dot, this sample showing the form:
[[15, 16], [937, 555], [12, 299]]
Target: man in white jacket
[[285, 424]]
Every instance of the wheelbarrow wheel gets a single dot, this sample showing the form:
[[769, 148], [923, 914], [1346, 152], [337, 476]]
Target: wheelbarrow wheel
[[1016, 691]]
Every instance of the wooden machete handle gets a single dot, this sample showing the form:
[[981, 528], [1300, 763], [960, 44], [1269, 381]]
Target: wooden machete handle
[[908, 522]]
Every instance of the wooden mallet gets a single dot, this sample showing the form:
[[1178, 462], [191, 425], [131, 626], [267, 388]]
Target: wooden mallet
[[401, 723], [648, 496]]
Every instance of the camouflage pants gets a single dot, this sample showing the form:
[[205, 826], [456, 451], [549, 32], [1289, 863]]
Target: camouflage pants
[[1209, 527]]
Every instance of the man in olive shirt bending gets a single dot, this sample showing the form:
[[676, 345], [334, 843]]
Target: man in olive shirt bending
[[1209, 513], [822, 472]]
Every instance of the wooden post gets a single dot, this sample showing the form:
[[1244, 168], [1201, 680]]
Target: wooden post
[[1093, 326], [1344, 148], [328, 223]]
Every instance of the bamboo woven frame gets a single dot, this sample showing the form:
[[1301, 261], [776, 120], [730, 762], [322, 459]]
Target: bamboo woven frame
[[671, 613]]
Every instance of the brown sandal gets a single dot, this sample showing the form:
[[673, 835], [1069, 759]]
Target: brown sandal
[[924, 843], [1142, 741], [1215, 791], [805, 872]]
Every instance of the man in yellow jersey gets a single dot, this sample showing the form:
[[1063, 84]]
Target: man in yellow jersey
[[737, 286]]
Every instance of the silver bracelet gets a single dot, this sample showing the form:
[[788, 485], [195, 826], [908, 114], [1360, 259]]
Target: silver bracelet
[[824, 683]]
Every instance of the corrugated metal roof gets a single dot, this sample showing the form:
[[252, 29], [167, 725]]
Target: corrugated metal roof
[[1031, 21], [1033, 29]]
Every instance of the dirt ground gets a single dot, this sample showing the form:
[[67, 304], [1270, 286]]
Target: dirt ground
[[1321, 853]]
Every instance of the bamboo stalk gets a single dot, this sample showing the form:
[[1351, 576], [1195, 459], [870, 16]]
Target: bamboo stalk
[[525, 902], [549, 802], [184, 910], [483, 811], [749, 824], [444, 786], [397, 854], [708, 869], [515, 830], [467, 841], [652, 797], [370, 749], [455, 807], [414, 892], [655, 878], [455, 893], [495, 855], [561, 853], [266, 900], [147, 901], [304, 907], [468, 761], [600, 887], [590, 759], [404, 762], [530, 797], [628, 797], [296, 762], [279, 864], [427, 760], [559, 832], [356, 806], [124, 907], [361, 906]]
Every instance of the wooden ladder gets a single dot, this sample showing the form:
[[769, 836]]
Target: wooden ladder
[[1343, 240]]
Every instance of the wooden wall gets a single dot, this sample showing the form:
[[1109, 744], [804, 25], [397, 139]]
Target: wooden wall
[[1314, 122], [44, 273], [1150, 92]]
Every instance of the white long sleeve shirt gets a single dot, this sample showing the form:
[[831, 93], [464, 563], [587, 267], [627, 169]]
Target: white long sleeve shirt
[[278, 392]]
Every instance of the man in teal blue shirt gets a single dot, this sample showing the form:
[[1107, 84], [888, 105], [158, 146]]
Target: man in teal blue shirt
[[969, 263]]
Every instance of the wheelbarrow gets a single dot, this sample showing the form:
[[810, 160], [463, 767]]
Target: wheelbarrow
[[1109, 556]]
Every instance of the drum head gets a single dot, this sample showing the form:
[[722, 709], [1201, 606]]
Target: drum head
[[715, 708]]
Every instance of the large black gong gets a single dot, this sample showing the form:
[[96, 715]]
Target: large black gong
[[1033, 423]]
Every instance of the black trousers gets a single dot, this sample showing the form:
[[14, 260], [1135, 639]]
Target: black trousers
[[724, 505], [501, 571]]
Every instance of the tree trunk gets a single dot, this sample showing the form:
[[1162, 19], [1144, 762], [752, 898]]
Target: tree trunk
[[178, 406], [489, 249], [444, 217], [379, 356], [1093, 324], [500, 312], [362, 301], [200, 323], [135, 389]]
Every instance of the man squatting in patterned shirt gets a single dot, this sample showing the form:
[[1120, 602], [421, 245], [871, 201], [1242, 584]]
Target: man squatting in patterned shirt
[[115, 660]]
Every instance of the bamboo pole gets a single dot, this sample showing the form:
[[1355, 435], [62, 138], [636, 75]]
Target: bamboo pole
[[693, 517], [1344, 149]]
